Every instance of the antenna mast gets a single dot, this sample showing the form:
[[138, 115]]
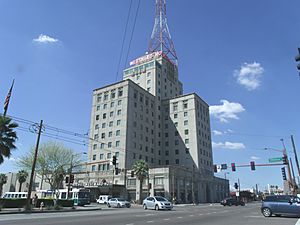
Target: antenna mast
[[161, 40]]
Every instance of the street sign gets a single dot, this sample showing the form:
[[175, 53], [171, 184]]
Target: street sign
[[278, 159]]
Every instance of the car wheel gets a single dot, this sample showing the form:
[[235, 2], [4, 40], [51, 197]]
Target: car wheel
[[156, 207], [230, 204], [144, 206], [119, 206], [267, 212], [108, 205]]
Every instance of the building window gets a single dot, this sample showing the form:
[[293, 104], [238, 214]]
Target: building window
[[103, 135], [98, 107], [176, 142], [148, 81], [186, 141], [110, 134], [167, 162], [109, 145], [101, 156], [93, 168], [177, 161], [104, 116], [111, 123], [166, 135], [117, 154], [167, 153], [119, 102], [94, 146], [111, 114], [158, 180], [113, 94], [185, 104], [185, 114], [97, 117], [112, 104], [96, 136], [176, 152], [187, 150], [118, 133], [176, 124], [119, 112], [94, 157], [185, 123], [175, 116], [186, 132], [96, 126], [108, 156], [120, 92], [104, 106], [117, 143], [176, 133], [103, 125], [102, 145]]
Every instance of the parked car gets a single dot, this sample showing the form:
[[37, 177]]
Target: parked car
[[232, 201], [118, 202], [157, 202], [280, 205], [103, 199]]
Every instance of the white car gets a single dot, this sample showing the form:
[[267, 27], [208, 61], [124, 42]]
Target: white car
[[118, 202], [157, 202], [103, 199]]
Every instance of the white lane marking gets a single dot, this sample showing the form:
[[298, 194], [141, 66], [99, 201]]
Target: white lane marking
[[255, 217], [191, 215], [151, 221], [298, 222], [129, 224], [179, 217], [200, 214], [167, 219]]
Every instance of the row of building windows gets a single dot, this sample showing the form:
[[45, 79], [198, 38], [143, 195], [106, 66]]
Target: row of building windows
[[103, 145], [106, 105], [108, 156], [110, 134], [111, 114], [110, 124], [109, 95]]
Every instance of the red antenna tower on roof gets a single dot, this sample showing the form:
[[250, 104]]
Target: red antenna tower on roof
[[161, 40]]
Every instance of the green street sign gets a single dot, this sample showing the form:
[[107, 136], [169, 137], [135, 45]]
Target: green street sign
[[279, 159]]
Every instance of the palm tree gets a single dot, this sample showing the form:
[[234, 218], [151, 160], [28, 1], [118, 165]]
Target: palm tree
[[22, 176], [140, 169], [3, 180], [8, 137]]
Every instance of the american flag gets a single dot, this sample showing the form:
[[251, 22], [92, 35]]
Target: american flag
[[8, 98]]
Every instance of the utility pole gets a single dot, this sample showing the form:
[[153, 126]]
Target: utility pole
[[33, 166], [239, 188], [296, 157], [193, 191], [70, 174], [286, 162], [294, 180]]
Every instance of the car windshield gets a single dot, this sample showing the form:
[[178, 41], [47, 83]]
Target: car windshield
[[161, 199], [121, 199]]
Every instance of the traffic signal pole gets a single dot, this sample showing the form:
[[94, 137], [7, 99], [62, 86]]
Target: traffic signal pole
[[70, 174]]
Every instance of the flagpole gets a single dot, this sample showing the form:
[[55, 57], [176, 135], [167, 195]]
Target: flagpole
[[6, 103]]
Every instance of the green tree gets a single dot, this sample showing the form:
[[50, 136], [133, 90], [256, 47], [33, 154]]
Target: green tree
[[3, 180], [8, 137], [52, 164], [140, 169], [22, 176]]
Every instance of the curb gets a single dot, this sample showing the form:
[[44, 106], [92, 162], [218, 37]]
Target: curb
[[47, 211]]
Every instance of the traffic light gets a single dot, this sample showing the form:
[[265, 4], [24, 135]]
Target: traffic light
[[236, 186], [72, 179], [284, 159], [117, 171], [283, 173], [252, 164], [67, 180], [132, 173], [297, 59], [215, 168], [233, 167], [114, 161]]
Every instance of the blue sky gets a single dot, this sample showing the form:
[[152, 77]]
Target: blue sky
[[238, 55]]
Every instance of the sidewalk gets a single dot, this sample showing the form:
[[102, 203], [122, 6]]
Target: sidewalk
[[45, 210]]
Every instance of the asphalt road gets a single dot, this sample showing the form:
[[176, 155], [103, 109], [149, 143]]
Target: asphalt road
[[189, 215]]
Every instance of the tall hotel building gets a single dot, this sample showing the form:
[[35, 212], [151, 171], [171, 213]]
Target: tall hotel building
[[147, 116]]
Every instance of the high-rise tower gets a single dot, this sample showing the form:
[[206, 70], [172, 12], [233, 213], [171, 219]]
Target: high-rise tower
[[161, 40]]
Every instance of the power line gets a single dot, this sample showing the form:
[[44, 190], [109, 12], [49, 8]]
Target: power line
[[131, 37], [123, 41]]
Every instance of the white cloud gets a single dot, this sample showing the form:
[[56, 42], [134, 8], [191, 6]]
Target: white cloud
[[255, 157], [228, 110], [216, 132], [249, 75], [45, 39], [12, 159], [228, 145]]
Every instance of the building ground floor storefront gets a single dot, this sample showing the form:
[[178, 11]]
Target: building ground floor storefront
[[178, 184]]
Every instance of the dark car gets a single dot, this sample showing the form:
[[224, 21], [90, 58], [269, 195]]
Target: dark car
[[232, 201], [281, 205]]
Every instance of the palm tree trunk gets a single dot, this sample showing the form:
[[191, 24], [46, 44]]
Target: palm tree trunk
[[141, 191], [20, 187]]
